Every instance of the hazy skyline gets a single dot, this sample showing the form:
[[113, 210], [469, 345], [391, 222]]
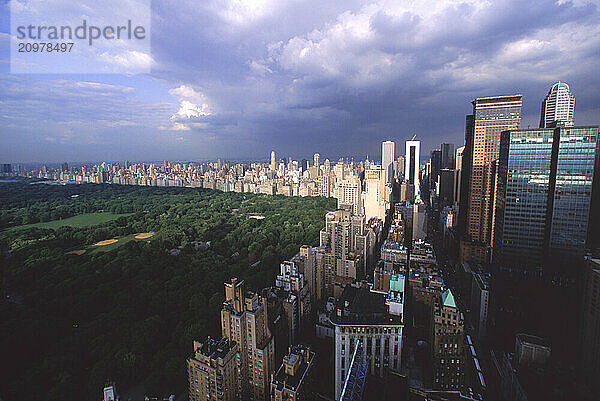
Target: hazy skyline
[[236, 79]]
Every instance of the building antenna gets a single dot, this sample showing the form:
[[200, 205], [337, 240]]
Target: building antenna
[[414, 137]]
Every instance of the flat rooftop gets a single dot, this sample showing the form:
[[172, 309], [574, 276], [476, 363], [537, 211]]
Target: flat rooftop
[[301, 355], [361, 306]]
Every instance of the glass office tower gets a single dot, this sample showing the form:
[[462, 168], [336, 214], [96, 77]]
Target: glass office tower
[[577, 153], [522, 198], [544, 193], [491, 116]]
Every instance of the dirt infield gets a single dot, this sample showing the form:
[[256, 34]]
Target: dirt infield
[[144, 235], [76, 252], [106, 242]]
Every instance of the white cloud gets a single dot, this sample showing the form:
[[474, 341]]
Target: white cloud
[[192, 103], [129, 60]]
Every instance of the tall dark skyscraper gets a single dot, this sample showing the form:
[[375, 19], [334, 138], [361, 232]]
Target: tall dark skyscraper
[[436, 164], [544, 194], [447, 150], [589, 330], [304, 165], [491, 116], [412, 160]]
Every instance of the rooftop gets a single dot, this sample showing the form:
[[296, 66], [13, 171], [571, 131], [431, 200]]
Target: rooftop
[[294, 368], [448, 299], [361, 306], [213, 348]]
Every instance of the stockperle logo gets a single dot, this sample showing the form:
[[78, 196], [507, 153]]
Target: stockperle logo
[[58, 36]]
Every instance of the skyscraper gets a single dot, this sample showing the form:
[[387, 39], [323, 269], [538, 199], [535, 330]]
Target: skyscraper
[[213, 371], [304, 165], [458, 173], [589, 333], [273, 161], [558, 107], [387, 159], [545, 180], [411, 170], [447, 343], [491, 116], [447, 150], [244, 321], [373, 318], [435, 160], [348, 194], [376, 193]]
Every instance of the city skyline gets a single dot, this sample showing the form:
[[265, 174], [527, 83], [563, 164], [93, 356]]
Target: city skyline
[[331, 79], [292, 200]]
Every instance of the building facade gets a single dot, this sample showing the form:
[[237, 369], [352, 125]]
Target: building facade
[[244, 321], [558, 107], [213, 371], [387, 160], [589, 338], [376, 320], [412, 163], [544, 196], [491, 116], [447, 344]]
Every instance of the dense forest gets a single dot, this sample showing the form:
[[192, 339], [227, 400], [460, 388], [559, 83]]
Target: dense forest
[[69, 322]]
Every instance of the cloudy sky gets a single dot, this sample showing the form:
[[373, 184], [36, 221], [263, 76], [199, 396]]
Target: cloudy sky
[[237, 78]]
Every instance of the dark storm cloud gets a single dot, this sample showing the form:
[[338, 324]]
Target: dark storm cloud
[[245, 77]]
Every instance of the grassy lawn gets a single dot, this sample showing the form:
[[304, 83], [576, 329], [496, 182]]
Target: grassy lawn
[[81, 220]]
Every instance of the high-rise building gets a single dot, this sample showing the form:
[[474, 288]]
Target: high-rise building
[[304, 165], [447, 344], [445, 186], [307, 256], [324, 185], [340, 231], [447, 150], [491, 116], [273, 161], [387, 160], [411, 169], [544, 196], [373, 318], [400, 164], [589, 337], [558, 108], [480, 298], [522, 196], [316, 160], [293, 379], [458, 174], [294, 295], [213, 371], [376, 193], [339, 170], [341, 234], [348, 194], [244, 321], [435, 161]]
